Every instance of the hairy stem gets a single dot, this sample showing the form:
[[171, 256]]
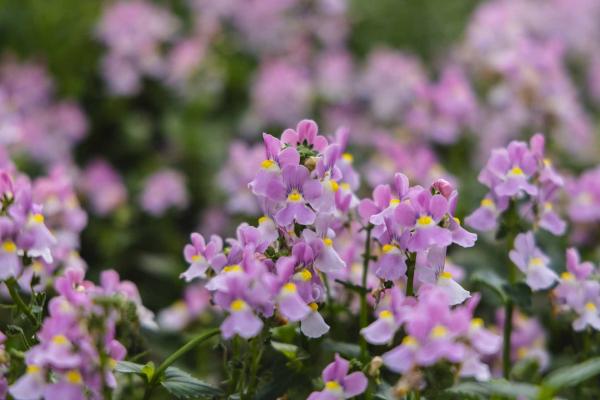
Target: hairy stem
[[363, 319], [11, 284]]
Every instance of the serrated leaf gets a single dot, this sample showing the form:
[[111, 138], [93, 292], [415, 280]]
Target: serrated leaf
[[127, 367], [184, 386], [573, 374], [349, 350], [484, 390]]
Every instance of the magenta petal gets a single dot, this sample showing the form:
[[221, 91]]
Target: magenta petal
[[354, 384], [337, 370]]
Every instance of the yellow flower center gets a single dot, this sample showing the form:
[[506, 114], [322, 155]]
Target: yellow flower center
[[394, 202], [289, 288], [439, 331], [294, 196], [386, 314], [349, 158], [74, 377], [424, 220], [345, 186], [409, 341], [387, 248], [9, 246], [590, 307], [548, 206], [334, 185], [36, 218], [457, 220], [522, 352], [112, 363], [238, 305], [60, 340], [328, 242], [263, 219], [196, 257], [33, 369], [476, 323], [536, 262], [232, 268], [37, 267], [304, 275], [332, 385], [266, 164], [547, 162], [446, 275], [567, 276], [516, 171], [314, 306], [487, 203]]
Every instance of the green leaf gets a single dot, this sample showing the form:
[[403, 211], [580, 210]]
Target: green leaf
[[184, 386], [127, 367], [484, 390], [148, 370], [348, 350], [290, 351], [573, 374], [351, 286], [519, 293], [492, 281]]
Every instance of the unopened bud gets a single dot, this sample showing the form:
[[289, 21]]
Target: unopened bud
[[444, 187], [311, 163], [375, 366]]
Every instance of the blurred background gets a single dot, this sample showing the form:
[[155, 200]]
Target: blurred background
[[156, 108]]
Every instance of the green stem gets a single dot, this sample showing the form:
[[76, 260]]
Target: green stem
[[175, 356], [363, 317], [410, 277], [508, 312], [11, 284]]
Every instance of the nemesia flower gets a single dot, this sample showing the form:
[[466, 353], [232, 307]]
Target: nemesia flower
[[68, 341], [579, 292], [532, 262], [162, 190], [338, 383], [520, 174], [133, 32], [200, 255], [103, 187]]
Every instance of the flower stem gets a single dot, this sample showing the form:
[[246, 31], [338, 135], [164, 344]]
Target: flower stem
[[11, 284], [176, 355], [363, 297], [410, 277], [508, 312]]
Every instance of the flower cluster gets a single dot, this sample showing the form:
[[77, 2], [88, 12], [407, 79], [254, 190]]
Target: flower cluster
[[103, 187], [416, 225], [163, 190], [279, 266], [579, 292], [434, 332], [520, 176], [64, 216], [23, 233], [78, 347], [31, 120]]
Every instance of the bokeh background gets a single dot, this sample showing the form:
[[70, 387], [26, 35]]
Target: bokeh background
[[165, 101]]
